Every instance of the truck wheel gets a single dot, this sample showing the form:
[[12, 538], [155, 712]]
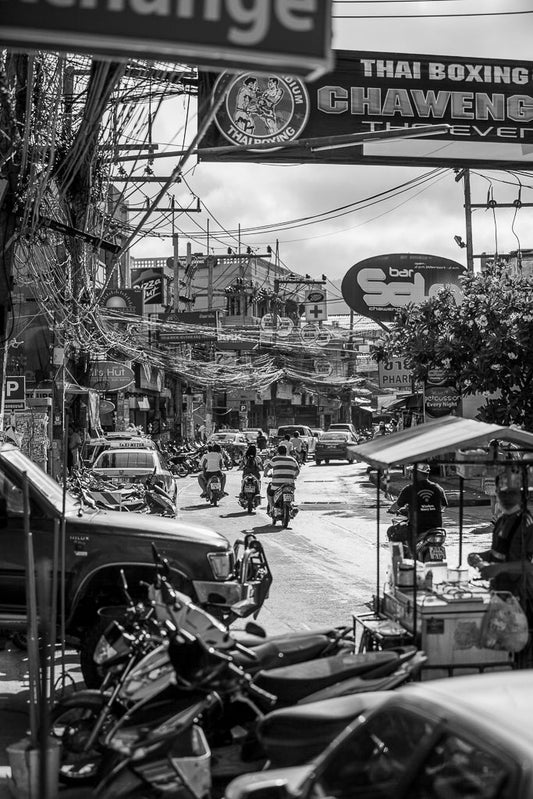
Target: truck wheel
[[318, 461]]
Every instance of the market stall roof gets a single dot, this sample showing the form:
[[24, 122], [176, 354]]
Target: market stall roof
[[415, 444]]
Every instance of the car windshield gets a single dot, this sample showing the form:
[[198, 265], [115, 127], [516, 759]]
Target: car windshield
[[126, 459], [222, 437], [39, 480], [283, 431]]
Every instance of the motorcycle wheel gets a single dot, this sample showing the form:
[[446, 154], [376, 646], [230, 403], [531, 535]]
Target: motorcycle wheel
[[250, 505], [89, 669], [72, 726], [285, 519], [180, 470], [214, 501]]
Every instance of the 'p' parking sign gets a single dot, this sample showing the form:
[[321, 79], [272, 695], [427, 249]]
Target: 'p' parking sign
[[15, 393]]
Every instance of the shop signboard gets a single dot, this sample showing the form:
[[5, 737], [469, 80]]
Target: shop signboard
[[110, 376], [441, 397], [380, 286], [270, 34], [486, 102], [128, 300], [152, 284], [190, 326], [316, 308], [393, 373]]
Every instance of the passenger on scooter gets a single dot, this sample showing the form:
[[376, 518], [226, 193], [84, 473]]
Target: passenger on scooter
[[211, 464], [251, 464], [430, 500], [297, 446], [283, 470]]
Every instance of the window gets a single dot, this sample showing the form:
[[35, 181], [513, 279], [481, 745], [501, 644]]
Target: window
[[458, 769], [372, 760], [11, 499], [128, 459]]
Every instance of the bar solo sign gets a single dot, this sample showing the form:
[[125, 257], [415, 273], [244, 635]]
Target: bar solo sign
[[292, 35]]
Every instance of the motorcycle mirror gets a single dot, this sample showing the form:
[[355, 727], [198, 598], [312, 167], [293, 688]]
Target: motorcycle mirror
[[125, 587], [255, 629]]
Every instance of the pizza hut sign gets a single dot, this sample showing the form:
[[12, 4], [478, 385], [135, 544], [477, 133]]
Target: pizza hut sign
[[378, 287], [110, 376]]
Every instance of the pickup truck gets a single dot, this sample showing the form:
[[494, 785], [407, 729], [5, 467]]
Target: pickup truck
[[98, 544]]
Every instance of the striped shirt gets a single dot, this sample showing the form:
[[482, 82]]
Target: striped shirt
[[285, 470]]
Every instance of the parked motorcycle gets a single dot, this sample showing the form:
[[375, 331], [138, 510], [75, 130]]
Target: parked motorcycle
[[430, 545], [282, 505], [250, 496], [154, 673]]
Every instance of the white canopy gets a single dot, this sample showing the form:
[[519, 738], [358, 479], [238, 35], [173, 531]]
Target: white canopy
[[415, 444]]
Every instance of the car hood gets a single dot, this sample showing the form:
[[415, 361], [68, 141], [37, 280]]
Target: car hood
[[150, 524]]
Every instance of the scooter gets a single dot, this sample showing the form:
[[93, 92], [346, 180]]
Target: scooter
[[213, 490], [282, 505], [430, 545], [250, 496]]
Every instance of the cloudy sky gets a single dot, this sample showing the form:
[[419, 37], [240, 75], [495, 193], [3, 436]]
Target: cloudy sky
[[424, 220]]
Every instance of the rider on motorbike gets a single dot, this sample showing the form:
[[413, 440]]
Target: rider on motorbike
[[251, 464], [428, 498], [297, 446], [283, 470], [211, 464]]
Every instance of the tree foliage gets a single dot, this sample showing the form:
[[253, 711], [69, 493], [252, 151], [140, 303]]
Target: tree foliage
[[484, 343]]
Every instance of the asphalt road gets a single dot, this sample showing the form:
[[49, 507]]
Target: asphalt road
[[325, 564]]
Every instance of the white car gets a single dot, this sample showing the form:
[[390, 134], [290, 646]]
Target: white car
[[134, 466], [465, 737]]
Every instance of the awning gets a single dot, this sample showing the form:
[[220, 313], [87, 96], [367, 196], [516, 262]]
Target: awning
[[415, 444]]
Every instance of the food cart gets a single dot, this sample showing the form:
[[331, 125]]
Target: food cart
[[435, 605]]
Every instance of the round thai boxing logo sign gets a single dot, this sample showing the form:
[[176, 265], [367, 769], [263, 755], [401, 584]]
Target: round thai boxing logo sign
[[260, 108]]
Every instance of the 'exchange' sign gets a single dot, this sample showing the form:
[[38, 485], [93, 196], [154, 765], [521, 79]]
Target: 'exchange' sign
[[275, 34]]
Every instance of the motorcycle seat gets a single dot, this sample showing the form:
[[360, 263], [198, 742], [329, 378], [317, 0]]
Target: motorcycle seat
[[272, 653], [295, 735], [292, 683]]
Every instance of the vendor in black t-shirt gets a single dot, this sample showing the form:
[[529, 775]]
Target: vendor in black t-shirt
[[430, 500]]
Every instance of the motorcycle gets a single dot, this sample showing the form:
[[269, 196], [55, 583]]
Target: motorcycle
[[213, 490], [136, 748], [282, 505], [250, 496], [155, 673], [430, 545]]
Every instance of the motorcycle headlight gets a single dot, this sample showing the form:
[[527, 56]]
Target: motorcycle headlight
[[221, 564], [103, 651]]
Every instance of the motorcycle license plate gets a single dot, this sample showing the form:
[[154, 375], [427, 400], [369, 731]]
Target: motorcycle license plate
[[249, 490], [215, 485], [288, 496], [437, 553]]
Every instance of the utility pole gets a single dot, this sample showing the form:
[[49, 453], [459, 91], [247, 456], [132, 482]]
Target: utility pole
[[464, 175]]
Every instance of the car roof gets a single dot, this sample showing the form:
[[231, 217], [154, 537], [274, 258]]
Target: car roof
[[127, 451], [504, 698]]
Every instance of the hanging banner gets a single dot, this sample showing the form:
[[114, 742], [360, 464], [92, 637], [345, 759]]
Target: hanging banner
[[487, 102], [379, 286], [274, 34]]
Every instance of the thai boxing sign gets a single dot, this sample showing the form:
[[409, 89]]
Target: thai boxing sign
[[379, 286], [292, 35], [487, 103]]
